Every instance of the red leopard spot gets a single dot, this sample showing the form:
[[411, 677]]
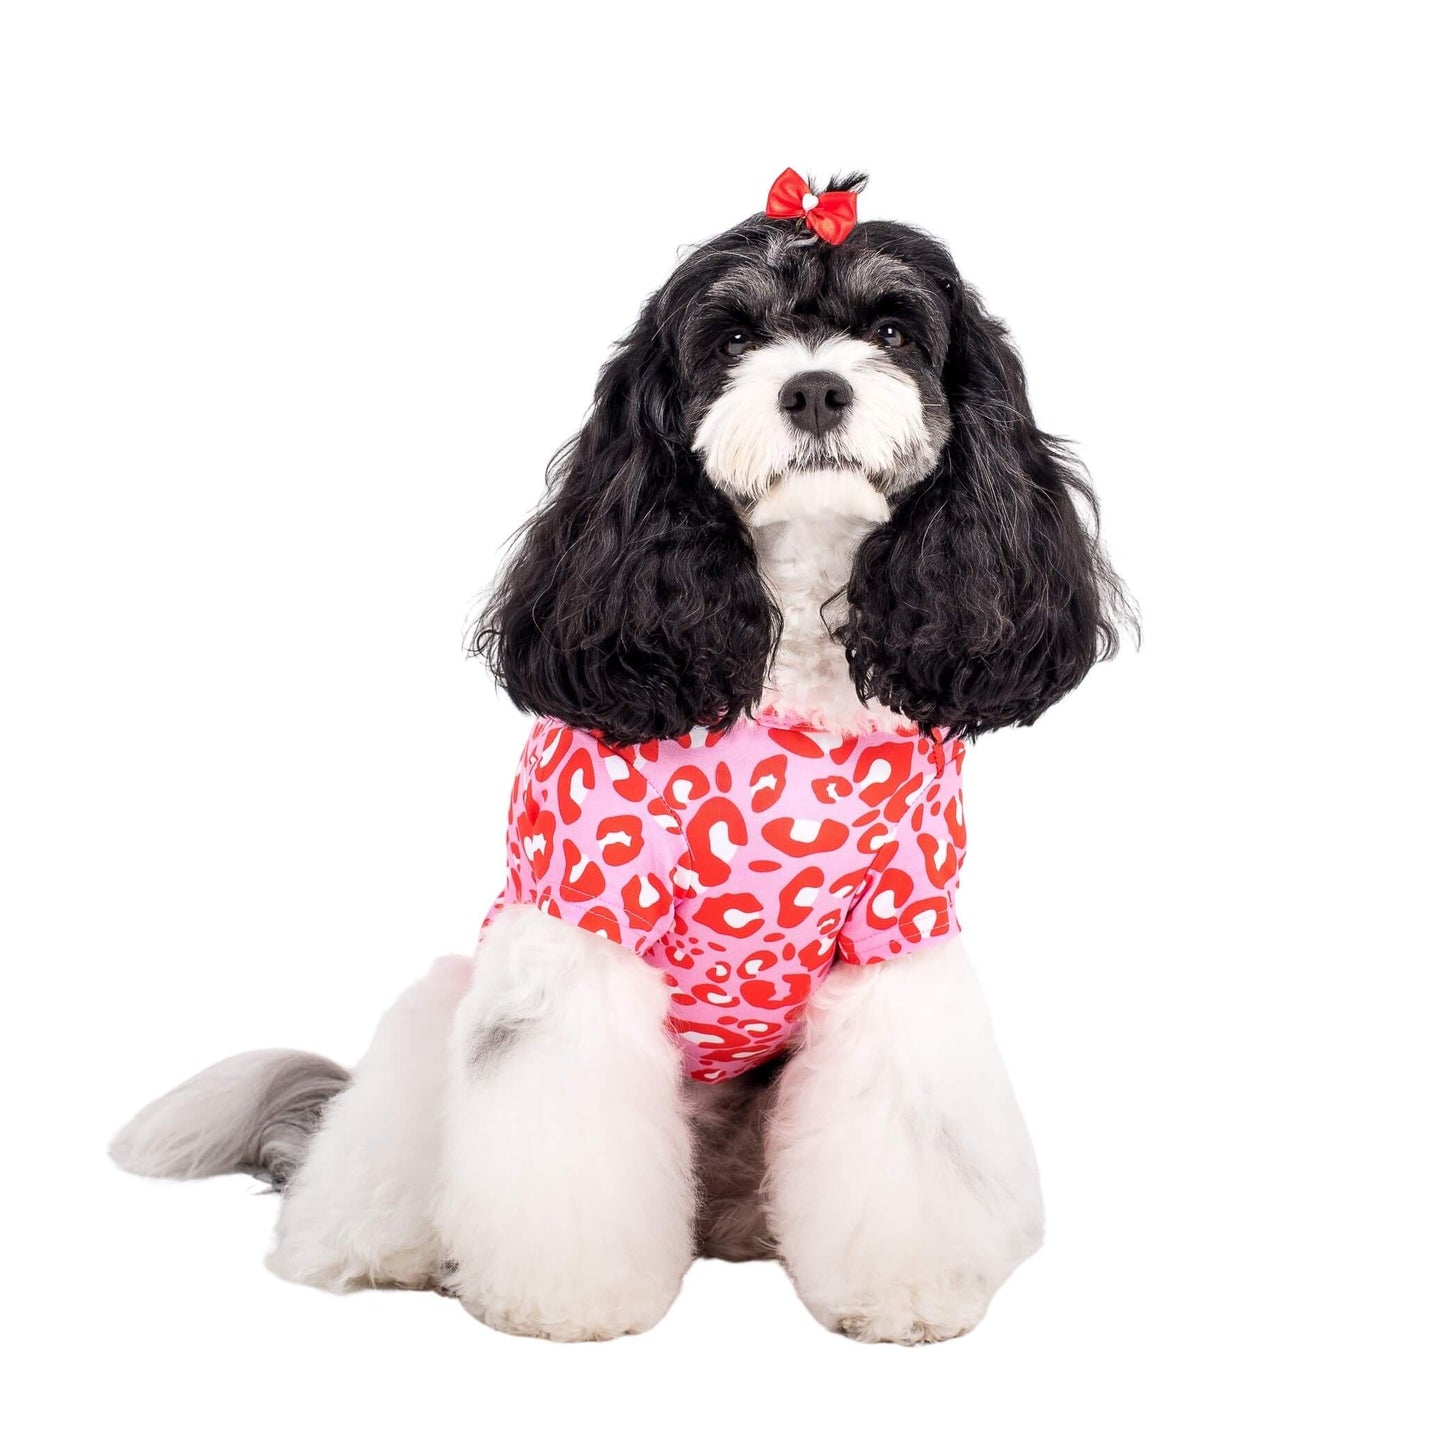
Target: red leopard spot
[[888, 898], [537, 838], [904, 799], [707, 1034], [844, 750], [765, 865], [843, 887], [758, 961], [666, 818], [924, 918], [795, 742], [800, 837], [760, 1028], [601, 920], [953, 820], [774, 993], [871, 839], [940, 859], [831, 789], [715, 832], [816, 954], [620, 837], [581, 877], [736, 915], [574, 782], [646, 899], [686, 785], [724, 777], [767, 782], [556, 744], [627, 782], [798, 897], [880, 770], [713, 995]]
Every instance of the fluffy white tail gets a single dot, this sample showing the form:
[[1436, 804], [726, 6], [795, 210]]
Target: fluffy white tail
[[250, 1114]]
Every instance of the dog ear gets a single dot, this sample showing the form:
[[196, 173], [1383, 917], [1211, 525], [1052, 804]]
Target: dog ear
[[633, 604], [986, 596]]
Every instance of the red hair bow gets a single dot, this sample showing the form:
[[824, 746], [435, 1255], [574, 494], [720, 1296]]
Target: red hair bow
[[830, 217]]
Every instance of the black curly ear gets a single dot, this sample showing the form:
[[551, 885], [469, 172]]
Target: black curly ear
[[986, 597], [633, 604]]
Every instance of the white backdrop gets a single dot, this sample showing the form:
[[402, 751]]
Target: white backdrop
[[298, 299]]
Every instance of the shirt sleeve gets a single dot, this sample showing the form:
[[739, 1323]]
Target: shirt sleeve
[[583, 843], [909, 898]]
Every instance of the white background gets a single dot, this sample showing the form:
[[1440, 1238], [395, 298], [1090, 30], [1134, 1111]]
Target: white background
[[297, 300]]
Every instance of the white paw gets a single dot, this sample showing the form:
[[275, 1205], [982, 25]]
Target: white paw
[[341, 1271], [568, 1315], [918, 1313]]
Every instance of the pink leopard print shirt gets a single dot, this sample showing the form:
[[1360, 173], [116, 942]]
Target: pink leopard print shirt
[[741, 864]]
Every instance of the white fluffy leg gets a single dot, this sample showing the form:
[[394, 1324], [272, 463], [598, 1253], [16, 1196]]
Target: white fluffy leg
[[903, 1188], [567, 1199], [358, 1211]]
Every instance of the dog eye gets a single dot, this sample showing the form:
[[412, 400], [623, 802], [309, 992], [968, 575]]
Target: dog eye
[[737, 343], [889, 335]]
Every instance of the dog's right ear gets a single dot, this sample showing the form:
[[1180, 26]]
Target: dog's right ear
[[632, 604]]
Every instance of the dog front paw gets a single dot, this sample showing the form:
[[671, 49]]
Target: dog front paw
[[603, 1312], [908, 1313], [331, 1264]]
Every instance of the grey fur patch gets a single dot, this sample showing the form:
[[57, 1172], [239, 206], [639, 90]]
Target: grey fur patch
[[250, 1114], [951, 1147], [729, 1122], [491, 1042], [288, 1113]]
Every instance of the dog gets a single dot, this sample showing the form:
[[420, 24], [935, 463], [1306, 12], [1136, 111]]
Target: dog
[[808, 545]]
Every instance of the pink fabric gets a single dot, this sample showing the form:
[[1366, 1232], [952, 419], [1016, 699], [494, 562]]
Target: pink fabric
[[741, 864]]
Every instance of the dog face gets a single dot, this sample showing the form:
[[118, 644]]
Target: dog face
[[634, 606], [811, 357]]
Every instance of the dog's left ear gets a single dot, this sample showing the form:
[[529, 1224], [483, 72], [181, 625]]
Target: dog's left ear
[[986, 596]]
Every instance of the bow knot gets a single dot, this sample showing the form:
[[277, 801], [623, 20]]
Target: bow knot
[[830, 216]]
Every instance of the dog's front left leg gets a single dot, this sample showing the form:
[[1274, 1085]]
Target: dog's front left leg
[[565, 1203], [901, 1180]]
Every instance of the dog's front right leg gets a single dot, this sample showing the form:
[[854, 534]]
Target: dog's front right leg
[[565, 1203]]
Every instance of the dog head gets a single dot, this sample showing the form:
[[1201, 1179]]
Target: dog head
[[868, 373]]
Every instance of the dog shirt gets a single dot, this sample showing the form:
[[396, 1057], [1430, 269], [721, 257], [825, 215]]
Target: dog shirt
[[740, 863]]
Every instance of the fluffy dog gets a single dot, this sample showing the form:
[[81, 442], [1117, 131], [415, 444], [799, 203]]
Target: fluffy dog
[[808, 541]]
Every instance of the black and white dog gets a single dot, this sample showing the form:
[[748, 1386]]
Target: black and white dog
[[810, 486]]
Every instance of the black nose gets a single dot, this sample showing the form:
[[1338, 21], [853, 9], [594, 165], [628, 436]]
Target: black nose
[[816, 401]]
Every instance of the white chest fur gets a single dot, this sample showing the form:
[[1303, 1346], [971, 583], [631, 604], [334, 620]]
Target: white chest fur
[[806, 530]]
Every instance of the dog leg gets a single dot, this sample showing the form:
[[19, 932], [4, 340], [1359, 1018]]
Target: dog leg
[[566, 1199], [902, 1183], [358, 1211]]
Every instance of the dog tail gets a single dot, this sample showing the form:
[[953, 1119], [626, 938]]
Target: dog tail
[[250, 1114]]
